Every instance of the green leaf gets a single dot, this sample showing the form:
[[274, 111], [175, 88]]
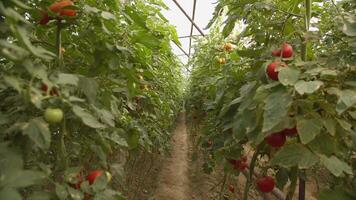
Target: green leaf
[[87, 118], [308, 129], [324, 144], [288, 75], [107, 15], [70, 79], [335, 194], [276, 109], [330, 125], [90, 88], [118, 138], [230, 25], [24, 178], [349, 27], [344, 124], [40, 196], [38, 131], [13, 82], [98, 150], [347, 99], [335, 166], [61, 192], [106, 116], [133, 140], [294, 155], [75, 194], [10, 194], [308, 87]]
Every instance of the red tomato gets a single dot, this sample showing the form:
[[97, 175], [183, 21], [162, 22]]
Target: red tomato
[[45, 18], [276, 52], [53, 92], [93, 175], [291, 132], [272, 69], [266, 184], [240, 165], [44, 87], [287, 50], [231, 188], [58, 6], [68, 12], [276, 139]]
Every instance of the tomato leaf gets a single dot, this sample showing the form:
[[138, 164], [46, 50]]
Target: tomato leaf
[[335, 165], [38, 131], [294, 155], [308, 87], [288, 75], [87, 118], [308, 129], [276, 108]]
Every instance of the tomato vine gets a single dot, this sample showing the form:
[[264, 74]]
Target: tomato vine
[[301, 103]]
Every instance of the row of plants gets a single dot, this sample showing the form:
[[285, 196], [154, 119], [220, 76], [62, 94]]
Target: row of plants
[[281, 84], [84, 85]]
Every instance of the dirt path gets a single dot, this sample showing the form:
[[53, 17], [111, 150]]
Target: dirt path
[[173, 179]]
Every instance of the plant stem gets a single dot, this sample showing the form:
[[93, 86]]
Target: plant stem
[[293, 185], [59, 45], [307, 26], [302, 185], [251, 172]]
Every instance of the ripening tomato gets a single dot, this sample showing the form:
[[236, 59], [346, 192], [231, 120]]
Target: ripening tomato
[[228, 47], [93, 175], [266, 184], [272, 69], [222, 61], [210, 143], [231, 188], [276, 139], [287, 50], [45, 18], [58, 6], [53, 115], [68, 12]]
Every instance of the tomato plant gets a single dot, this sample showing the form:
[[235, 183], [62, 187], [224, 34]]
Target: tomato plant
[[90, 69], [288, 94]]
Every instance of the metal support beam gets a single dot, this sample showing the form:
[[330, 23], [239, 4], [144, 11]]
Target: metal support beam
[[191, 28], [185, 53], [188, 36], [185, 13]]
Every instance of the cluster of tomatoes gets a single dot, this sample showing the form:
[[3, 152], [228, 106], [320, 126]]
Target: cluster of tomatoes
[[228, 47], [286, 51], [60, 8], [92, 176], [264, 184]]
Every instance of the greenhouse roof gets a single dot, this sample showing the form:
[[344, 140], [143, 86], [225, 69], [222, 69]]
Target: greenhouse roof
[[203, 14]]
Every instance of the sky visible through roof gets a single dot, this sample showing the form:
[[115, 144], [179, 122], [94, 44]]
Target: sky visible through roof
[[203, 14]]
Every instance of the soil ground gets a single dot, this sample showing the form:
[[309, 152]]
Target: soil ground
[[179, 175]]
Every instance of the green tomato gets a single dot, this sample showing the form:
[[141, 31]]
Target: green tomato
[[53, 115]]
